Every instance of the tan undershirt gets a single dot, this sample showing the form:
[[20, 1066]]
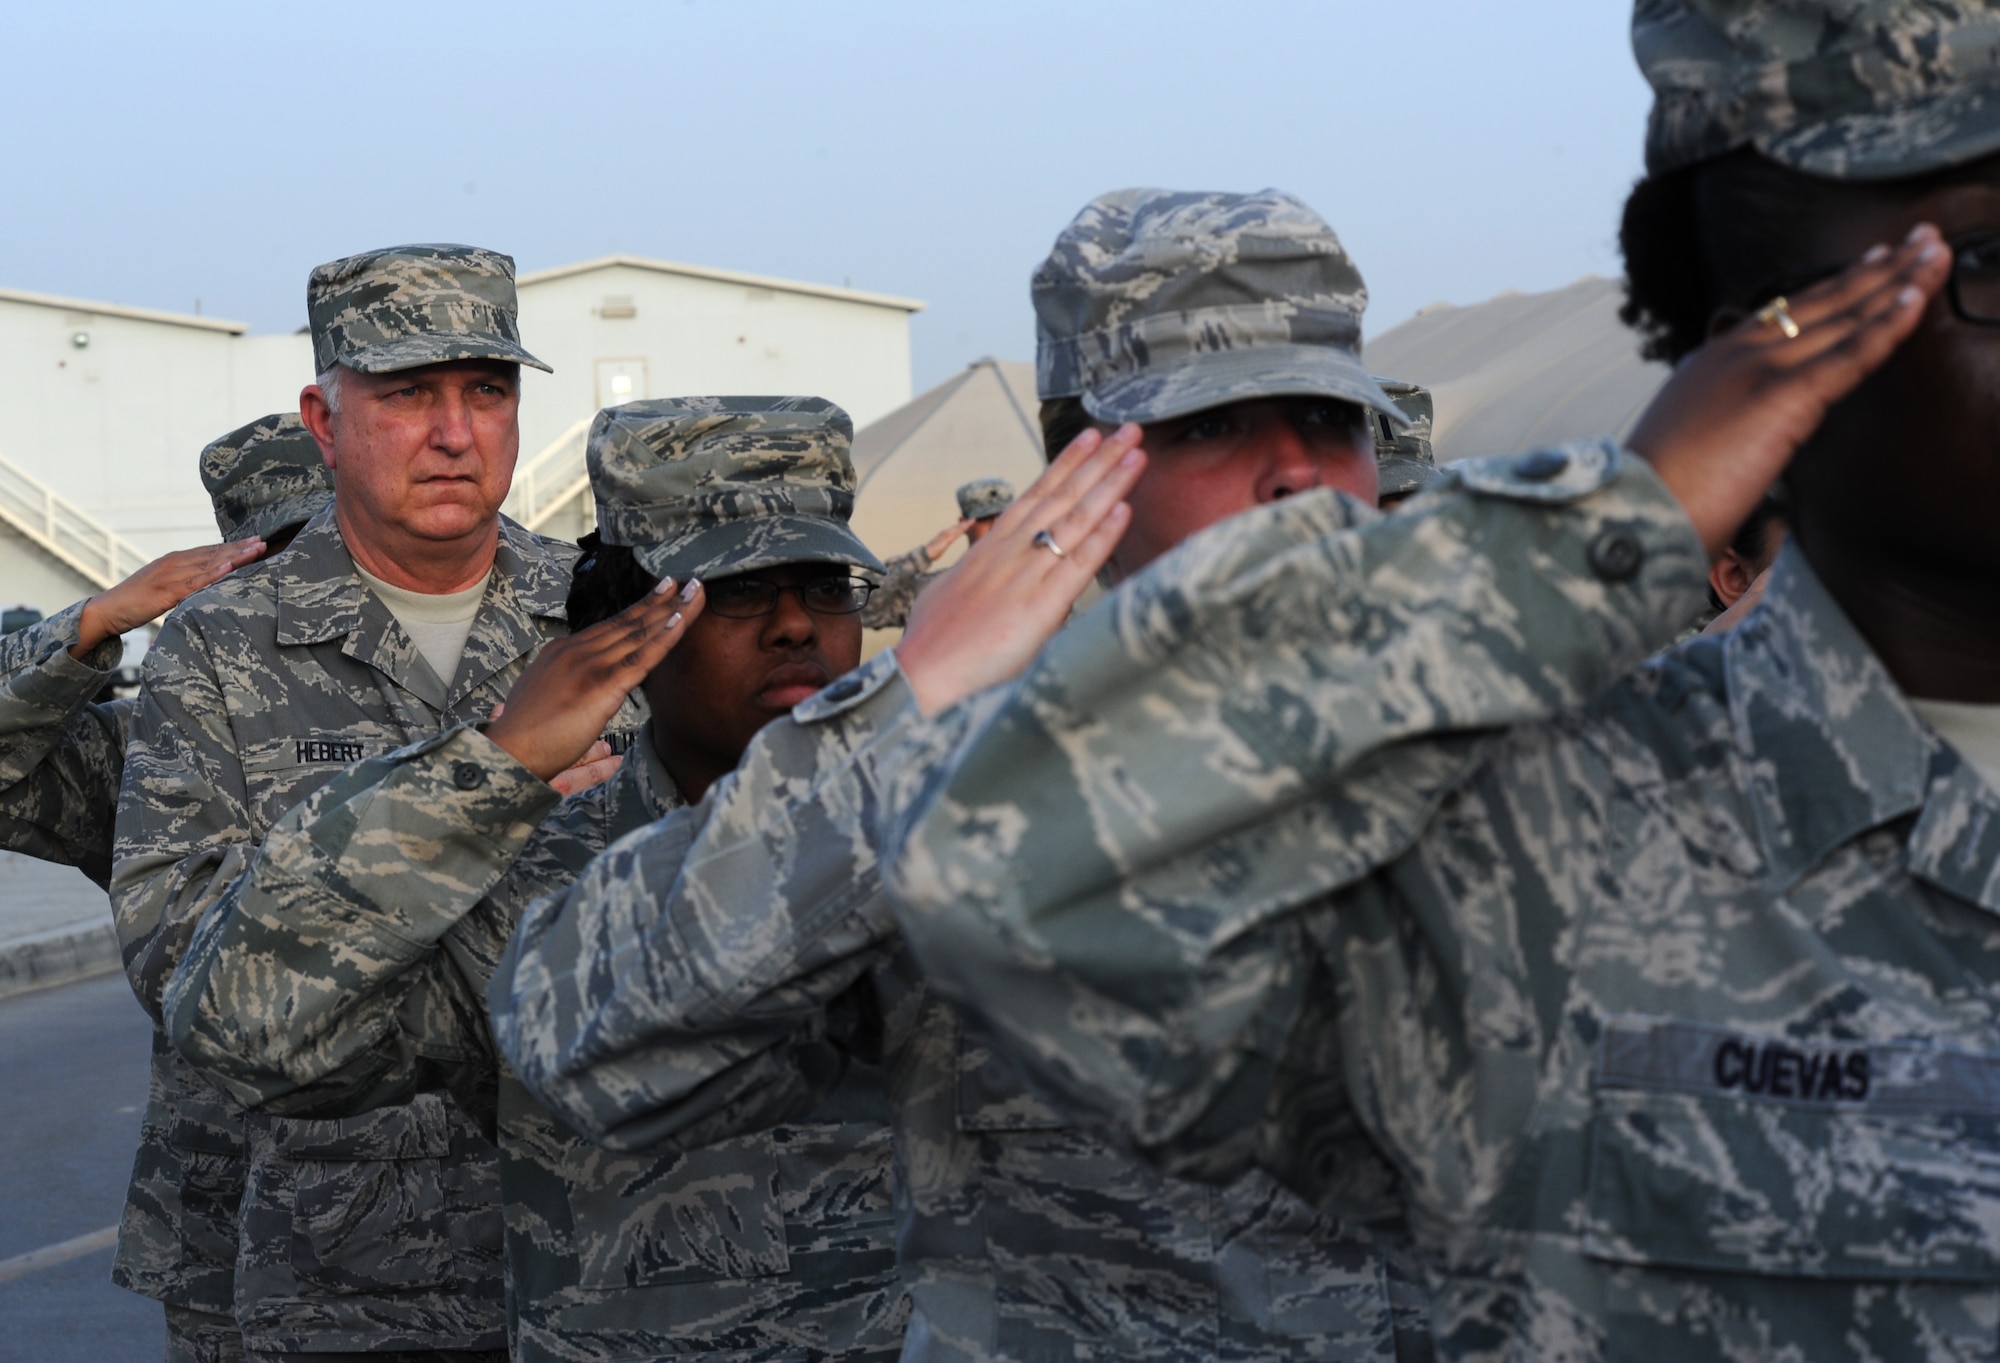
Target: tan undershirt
[[438, 624], [1974, 730]]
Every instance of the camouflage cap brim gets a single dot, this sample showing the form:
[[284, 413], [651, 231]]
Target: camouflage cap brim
[[1396, 475], [742, 546], [1947, 129], [1215, 378], [413, 352], [1847, 89]]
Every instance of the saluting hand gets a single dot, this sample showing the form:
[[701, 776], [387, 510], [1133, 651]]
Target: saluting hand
[[562, 702], [1735, 411], [986, 618], [157, 588]]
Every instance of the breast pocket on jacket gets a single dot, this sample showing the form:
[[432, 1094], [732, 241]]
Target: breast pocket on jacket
[[1798, 1195], [281, 771], [370, 1209]]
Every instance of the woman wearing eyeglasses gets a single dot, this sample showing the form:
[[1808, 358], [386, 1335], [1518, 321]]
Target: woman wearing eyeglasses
[[1671, 991]]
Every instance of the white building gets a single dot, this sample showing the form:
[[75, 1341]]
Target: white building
[[104, 409]]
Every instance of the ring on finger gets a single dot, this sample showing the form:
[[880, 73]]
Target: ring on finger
[[1044, 540], [1778, 313]]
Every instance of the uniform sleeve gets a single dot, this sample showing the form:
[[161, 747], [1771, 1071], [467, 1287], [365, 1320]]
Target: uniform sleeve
[[902, 578], [60, 754], [1102, 861], [701, 978], [314, 982], [184, 829]]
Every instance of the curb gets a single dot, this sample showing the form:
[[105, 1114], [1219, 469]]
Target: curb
[[72, 952]]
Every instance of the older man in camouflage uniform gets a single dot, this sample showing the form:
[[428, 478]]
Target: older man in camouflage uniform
[[1671, 992], [408, 606], [744, 947], [351, 967], [62, 752], [905, 575]]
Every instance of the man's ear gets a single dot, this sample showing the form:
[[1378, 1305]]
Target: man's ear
[[317, 418], [1729, 577]]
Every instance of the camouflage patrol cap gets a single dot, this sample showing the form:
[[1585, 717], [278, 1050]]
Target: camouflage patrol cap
[[405, 306], [1154, 304], [265, 476], [984, 498], [1850, 89], [707, 487], [1404, 461]]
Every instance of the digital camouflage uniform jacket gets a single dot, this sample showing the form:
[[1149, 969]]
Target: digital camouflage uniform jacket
[[375, 1232], [1673, 994], [61, 753], [349, 967], [730, 959], [902, 578]]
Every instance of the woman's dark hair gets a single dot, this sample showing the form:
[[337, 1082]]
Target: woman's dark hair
[[604, 581], [1726, 233], [1063, 420]]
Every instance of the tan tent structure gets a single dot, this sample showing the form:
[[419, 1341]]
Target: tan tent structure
[[1523, 370], [980, 423]]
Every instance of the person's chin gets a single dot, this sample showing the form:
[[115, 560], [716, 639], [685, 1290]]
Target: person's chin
[[451, 518]]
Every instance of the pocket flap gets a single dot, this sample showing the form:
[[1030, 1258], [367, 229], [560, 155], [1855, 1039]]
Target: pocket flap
[[418, 1129], [1732, 1151]]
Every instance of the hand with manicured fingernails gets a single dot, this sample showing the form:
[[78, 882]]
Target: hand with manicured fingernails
[[986, 618], [566, 696], [157, 588], [1736, 410]]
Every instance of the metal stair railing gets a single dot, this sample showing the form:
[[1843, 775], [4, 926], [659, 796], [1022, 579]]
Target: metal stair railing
[[552, 479], [64, 530]]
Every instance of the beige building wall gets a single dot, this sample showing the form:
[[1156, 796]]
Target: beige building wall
[[110, 406], [625, 328]]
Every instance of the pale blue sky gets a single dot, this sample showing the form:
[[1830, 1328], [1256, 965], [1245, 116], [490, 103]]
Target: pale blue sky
[[159, 154]]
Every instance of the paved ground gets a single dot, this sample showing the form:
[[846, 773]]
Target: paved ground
[[72, 1086], [39, 896], [54, 925]]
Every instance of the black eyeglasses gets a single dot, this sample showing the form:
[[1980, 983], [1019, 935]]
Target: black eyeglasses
[[1974, 288], [746, 598]]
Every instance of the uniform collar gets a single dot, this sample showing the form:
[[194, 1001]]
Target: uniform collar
[[321, 597], [1831, 748]]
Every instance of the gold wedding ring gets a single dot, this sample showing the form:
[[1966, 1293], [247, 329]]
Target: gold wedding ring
[[1044, 540], [1778, 312]]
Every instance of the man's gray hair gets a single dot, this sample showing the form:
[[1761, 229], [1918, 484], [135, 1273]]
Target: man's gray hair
[[329, 387]]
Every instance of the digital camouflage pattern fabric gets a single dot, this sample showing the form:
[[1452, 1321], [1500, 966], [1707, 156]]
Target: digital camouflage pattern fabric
[[709, 486], [371, 1233], [1670, 993], [903, 577], [1853, 89], [984, 498], [61, 753], [1155, 303], [326, 982], [265, 476], [726, 967], [405, 306], [1404, 462]]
